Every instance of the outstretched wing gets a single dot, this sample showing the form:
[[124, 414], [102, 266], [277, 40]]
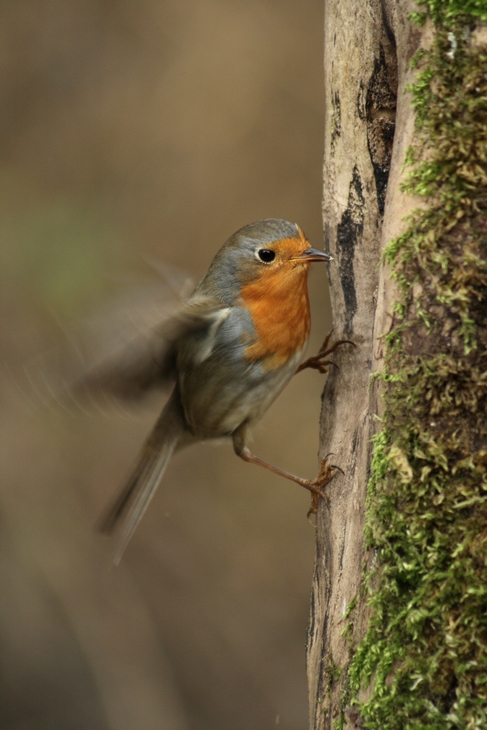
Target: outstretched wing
[[146, 359], [123, 353]]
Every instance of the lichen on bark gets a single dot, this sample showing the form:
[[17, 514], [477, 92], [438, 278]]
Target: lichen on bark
[[424, 657]]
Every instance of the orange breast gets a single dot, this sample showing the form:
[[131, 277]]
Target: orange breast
[[279, 305]]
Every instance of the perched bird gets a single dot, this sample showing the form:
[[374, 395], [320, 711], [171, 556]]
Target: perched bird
[[229, 350]]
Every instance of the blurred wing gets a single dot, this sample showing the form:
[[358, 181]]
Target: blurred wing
[[124, 352], [146, 359]]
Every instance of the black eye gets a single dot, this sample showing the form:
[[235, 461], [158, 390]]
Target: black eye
[[266, 255]]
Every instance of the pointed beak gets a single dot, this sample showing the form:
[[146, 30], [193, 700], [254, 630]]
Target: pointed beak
[[313, 254]]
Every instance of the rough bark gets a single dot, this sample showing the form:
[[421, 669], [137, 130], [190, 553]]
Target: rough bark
[[368, 47], [354, 45]]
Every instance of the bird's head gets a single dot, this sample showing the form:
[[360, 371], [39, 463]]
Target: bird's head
[[267, 251]]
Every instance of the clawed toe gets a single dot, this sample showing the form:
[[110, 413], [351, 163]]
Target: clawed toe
[[317, 486], [316, 493], [319, 361]]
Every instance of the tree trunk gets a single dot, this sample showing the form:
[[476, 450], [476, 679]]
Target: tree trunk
[[398, 635]]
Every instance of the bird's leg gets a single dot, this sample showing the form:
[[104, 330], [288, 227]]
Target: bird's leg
[[319, 361], [315, 486]]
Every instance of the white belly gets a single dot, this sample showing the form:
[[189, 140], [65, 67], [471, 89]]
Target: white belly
[[219, 407]]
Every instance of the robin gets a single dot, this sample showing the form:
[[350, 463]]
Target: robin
[[229, 350]]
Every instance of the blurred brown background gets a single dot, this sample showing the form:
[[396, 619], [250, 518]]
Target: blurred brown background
[[131, 132]]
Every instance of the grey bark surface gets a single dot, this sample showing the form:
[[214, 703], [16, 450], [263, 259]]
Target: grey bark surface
[[367, 51]]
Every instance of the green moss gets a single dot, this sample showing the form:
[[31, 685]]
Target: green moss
[[445, 13], [424, 656]]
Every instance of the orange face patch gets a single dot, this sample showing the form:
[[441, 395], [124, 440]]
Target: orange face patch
[[279, 305], [290, 247]]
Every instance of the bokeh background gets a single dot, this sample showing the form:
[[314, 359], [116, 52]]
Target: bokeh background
[[132, 133]]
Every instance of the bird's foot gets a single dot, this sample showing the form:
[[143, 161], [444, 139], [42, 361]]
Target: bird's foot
[[319, 361], [317, 485]]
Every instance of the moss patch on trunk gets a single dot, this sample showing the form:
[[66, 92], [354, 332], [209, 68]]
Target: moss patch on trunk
[[425, 654]]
